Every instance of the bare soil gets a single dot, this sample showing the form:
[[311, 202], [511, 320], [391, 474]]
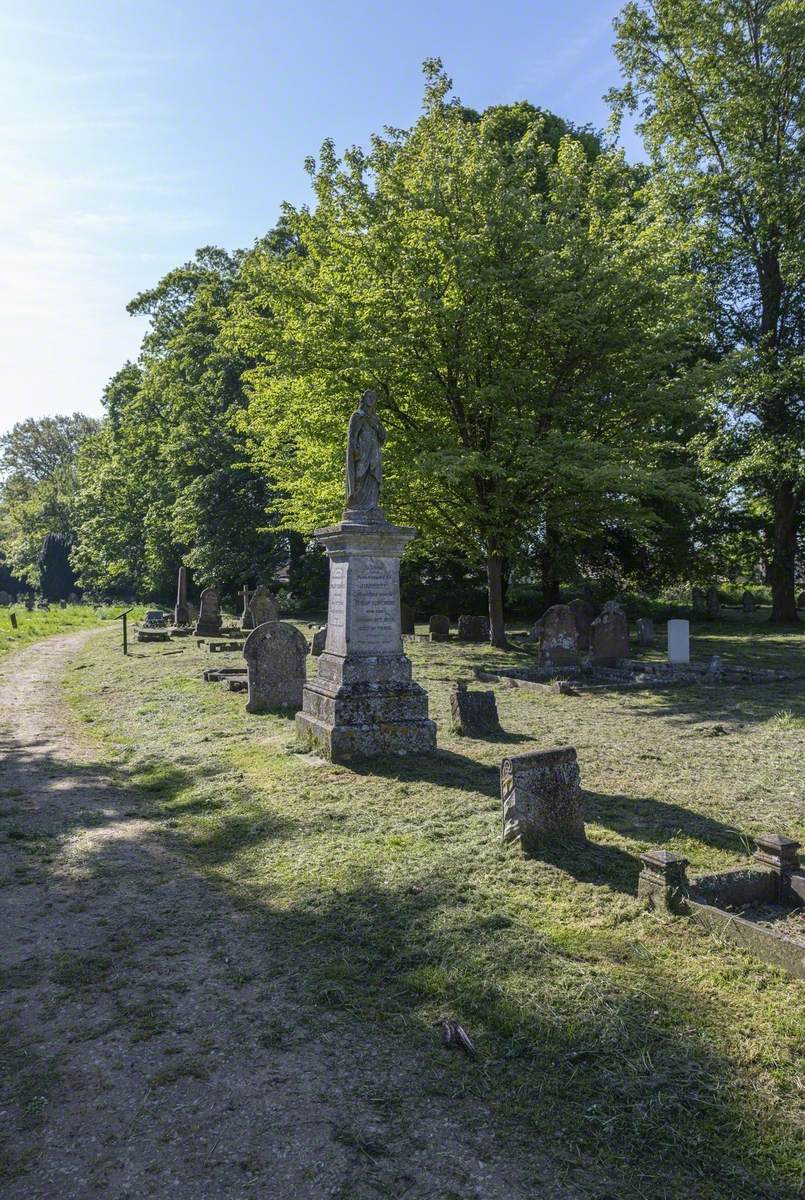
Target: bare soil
[[152, 1044]]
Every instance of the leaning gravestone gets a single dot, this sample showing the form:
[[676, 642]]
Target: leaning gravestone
[[319, 641], [439, 628], [262, 606], [541, 797], [559, 645], [209, 617], [679, 641], [275, 654], [5, 599], [713, 602], [699, 600], [363, 701], [473, 714], [748, 602], [473, 629], [407, 615], [583, 614], [609, 638], [645, 631]]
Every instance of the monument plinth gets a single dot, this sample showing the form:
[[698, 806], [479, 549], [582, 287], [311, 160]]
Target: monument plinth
[[363, 701]]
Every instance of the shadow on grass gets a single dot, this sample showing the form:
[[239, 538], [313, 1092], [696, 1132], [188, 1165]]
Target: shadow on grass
[[645, 819]]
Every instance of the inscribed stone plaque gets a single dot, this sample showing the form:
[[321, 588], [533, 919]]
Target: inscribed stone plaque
[[373, 610], [541, 796], [337, 608]]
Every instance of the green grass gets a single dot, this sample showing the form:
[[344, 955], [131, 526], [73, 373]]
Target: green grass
[[33, 626], [645, 1058]]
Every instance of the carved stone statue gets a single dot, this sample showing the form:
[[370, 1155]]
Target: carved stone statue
[[365, 440]]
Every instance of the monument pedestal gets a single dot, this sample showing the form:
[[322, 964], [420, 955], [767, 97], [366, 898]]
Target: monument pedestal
[[363, 701]]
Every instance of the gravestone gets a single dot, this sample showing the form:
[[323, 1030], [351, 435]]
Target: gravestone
[[275, 654], [319, 641], [473, 714], [181, 613], [541, 797], [407, 614], [29, 603], [74, 598], [748, 602], [5, 599], [645, 631], [612, 606], [262, 606], [699, 600], [473, 629], [559, 645], [679, 641], [609, 638], [62, 604], [209, 617], [439, 628], [192, 610], [363, 701], [713, 602], [246, 618], [583, 614]]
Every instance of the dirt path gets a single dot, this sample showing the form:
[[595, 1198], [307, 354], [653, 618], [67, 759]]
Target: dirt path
[[147, 1048]]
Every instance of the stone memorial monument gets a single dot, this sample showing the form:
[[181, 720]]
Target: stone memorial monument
[[541, 797], [363, 701], [262, 607], [559, 646], [679, 641], [275, 654], [181, 613], [209, 617], [439, 628], [473, 714], [609, 638], [473, 629], [583, 614], [645, 631]]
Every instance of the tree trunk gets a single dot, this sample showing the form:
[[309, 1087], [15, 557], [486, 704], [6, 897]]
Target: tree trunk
[[494, 576], [551, 590], [783, 583]]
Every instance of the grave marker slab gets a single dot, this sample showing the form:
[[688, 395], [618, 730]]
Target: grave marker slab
[[439, 628], [209, 617], [609, 638], [473, 714], [262, 607], [319, 641], [275, 654], [583, 614], [645, 631], [559, 645], [473, 629], [679, 641], [541, 797]]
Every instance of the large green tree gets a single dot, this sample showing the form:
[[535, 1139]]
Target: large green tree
[[519, 304], [718, 88]]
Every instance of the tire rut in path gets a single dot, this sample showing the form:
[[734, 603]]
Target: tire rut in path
[[148, 1051]]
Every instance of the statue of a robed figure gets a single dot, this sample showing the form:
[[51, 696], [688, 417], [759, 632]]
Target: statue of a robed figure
[[365, 440]]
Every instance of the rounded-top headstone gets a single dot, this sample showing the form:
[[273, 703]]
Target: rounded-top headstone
[[439, 628], [276, 654]]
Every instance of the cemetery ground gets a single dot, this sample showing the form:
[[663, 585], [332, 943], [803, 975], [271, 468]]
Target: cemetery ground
[[32, 626], [227, 962]]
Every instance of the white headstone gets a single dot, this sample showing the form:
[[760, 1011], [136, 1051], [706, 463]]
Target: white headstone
[[679, 641]]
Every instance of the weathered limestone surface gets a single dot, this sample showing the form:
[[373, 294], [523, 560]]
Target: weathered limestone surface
[[209, 617], [439, 628], [275, 654], [609, 638], [559, 644], [541, 797], [583, 614], [473, 714], [262, 606], [679, 641], [473, 629], [181, 613], [645, 631]]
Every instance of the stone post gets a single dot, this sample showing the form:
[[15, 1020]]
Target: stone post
[[780, 853], [662, 883], [181, 613]]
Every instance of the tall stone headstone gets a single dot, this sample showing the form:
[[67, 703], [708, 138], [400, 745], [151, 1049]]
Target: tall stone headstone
[[209, 615], [473, 629], [541, 797], [609, 638], [698, 599], [583, 614], [363, 701], [679, 641], [181, 613], [262, 606], [645, 631], [713, 602], [559, 646], [275, 654], [407, 615], [439, 628]]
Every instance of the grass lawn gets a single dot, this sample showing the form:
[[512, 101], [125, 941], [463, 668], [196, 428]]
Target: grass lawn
[[647, 1058], [32, 626]]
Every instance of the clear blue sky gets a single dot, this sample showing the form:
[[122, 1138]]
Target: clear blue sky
[[133, 131]]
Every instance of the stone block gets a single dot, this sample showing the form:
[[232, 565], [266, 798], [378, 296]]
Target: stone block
[[662, 882], [609, 638], [559, 644], [473, 714], [275, 654], [541, 797], [679, 641], [473, 629], [439, 628]]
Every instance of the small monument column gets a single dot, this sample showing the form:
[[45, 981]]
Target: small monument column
[[363, 701], [181, 613]]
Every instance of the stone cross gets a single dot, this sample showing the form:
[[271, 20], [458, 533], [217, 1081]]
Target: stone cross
[[541, 797], [275, 654]]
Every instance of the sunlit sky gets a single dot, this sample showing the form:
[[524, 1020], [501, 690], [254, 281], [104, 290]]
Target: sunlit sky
[[133, 132]]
